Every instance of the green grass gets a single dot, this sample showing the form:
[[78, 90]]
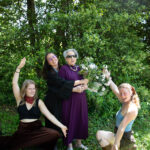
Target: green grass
[[9, 122]]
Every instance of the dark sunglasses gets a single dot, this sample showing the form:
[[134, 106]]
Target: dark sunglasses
[[71, 56]]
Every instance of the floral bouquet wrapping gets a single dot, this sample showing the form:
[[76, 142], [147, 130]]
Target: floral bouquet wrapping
[[97, 81]]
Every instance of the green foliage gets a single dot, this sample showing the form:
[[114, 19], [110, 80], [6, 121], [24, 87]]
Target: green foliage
[[114, 33]]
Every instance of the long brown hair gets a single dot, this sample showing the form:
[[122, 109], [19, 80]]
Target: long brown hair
[[24, 87], [134, 98], [47, 67]]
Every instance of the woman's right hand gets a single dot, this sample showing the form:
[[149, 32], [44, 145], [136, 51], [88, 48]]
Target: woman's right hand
[[64, 130], [22, 63]]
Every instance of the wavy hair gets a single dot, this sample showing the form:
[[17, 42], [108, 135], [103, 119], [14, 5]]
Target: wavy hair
[[134, 98], [47, 67], [25, 84]]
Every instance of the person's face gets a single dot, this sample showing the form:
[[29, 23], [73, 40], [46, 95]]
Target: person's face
[[30, 90], [52, 60], [125, 94], [71, 58]]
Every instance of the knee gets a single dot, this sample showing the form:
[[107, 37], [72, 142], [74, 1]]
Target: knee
[[98, 135], [55, 133]]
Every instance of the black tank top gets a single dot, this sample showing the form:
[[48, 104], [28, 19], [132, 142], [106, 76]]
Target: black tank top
[[32, 113]]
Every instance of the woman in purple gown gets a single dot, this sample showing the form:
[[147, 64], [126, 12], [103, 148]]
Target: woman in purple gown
[[74, 109]]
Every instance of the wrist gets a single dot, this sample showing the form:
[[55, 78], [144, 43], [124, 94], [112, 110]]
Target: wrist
[[77, 82], [109, 81], [117, 144], [61, 126], [74, 89], [17, 70]]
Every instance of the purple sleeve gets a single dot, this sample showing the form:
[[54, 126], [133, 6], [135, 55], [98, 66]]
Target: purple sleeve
[[62, 72], [80, 76]]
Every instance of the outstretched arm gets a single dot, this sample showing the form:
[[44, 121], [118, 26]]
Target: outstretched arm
[[16, 89], [51, 117], [127, 119], [112, 85]]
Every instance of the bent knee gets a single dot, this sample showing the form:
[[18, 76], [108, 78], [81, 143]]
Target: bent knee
[[53, 133], [99, 134]]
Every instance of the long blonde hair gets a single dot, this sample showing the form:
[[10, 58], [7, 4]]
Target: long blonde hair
[[24, 87], [134, 98]]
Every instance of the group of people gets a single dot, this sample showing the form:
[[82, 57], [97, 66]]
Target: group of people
[[65, 109]]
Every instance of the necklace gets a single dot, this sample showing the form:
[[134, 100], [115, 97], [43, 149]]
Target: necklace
[[73, 69]]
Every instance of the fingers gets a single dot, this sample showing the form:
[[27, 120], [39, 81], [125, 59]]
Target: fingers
[[86, 81], [65, 131], [106, 73], [23, 60]]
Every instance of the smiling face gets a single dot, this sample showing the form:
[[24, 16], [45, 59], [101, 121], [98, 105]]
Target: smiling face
[[71, 58], [125, 94], [52, 60], [30, 90]]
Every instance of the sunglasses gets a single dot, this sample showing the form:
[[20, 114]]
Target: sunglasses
[[71, 56], [51, 58]]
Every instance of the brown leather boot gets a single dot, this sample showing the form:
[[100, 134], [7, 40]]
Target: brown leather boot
[[108, 147]]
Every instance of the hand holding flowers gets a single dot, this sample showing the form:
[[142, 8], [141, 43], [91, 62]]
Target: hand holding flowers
[[97, 78]]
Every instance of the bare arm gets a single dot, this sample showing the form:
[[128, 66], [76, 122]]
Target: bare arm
[[115, 89], [112, 85], [51, 117], [16, 89], [127, 119]]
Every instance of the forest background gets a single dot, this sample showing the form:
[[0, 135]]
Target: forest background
[[113, 32]]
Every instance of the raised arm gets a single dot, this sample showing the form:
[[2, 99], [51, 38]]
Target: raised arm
[[52, 118], [131, 115], [16, 89], [112, 85]]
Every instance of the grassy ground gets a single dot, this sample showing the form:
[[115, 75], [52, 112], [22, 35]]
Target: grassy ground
[[9, 122]]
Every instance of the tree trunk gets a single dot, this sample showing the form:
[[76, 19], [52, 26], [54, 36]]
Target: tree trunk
[[31, 16]]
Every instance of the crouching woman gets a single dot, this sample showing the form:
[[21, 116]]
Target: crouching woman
[[122, 138]]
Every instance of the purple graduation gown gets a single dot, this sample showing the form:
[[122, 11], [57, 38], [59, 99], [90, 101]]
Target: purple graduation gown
[[74, 109]]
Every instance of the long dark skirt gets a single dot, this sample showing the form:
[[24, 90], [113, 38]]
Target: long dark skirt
[[29, 135]]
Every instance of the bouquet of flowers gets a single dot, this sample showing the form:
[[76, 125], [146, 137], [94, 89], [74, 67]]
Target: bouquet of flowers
[[97, 81]]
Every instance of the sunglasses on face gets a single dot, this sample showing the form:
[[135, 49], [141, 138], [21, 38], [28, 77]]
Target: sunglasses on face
[[71, 56], [51, 58]]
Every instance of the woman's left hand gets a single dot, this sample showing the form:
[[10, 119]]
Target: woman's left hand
[[64, 130], [114, 147]]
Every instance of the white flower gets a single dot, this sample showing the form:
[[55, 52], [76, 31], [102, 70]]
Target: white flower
[[103, 89], [54, 30], [105, 66], [82, 66], [97, 84], [89, 59], [86, 68], [103, 77], [92, 66], [97, 77]]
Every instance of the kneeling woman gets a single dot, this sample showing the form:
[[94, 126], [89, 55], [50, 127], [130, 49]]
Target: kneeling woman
[[30, 131], [122, 138]]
